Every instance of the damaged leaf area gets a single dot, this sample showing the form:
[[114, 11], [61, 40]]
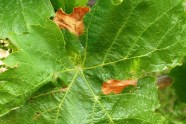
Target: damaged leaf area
[[72, 22], [116, 86], [135, 38]]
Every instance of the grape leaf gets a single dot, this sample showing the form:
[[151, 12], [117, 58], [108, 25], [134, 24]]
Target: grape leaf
[[82, 104], [16, 15], [179, 84], [28, 65], [125, 41], [135, 37]]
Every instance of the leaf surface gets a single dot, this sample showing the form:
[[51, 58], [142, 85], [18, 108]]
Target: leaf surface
[[16, 15], [40, 58], [81, 103], [124, 41], [135, 37]]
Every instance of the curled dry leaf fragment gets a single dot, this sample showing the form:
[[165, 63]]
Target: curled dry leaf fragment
[[72, 22], [116, 86]]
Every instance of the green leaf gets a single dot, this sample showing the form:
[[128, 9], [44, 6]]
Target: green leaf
[[135, 37], [130, 40], [179, 75], [16, 15], [82, 103], [40, 58], [67, 5]]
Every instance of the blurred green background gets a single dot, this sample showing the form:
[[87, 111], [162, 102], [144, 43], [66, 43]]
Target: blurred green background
[[171, 108]]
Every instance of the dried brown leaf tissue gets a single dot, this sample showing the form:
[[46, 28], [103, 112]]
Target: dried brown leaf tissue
[[116, 86], [72, 22]]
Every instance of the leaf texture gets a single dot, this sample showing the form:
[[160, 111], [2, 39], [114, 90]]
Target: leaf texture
[[83, 104], [46, 84], [16, 15], [37, 61], [137, 36]]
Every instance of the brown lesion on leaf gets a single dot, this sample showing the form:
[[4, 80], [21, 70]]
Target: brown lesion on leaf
[[116, 86], [72, 22]]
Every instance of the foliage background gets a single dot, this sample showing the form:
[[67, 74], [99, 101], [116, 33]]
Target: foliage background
[[171, 107]]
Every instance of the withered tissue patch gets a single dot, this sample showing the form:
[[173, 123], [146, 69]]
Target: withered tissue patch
[[116, 86], [72, 22]]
